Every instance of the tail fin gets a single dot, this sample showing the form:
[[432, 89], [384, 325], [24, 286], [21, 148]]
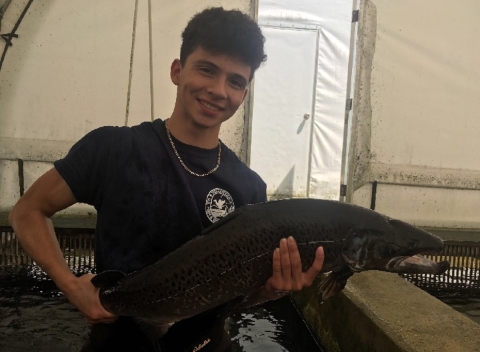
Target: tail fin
[[107, 278]]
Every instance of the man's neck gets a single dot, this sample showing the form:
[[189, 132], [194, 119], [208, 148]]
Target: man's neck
[[190, 134]]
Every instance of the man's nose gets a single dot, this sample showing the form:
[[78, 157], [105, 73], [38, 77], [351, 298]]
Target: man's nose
[[218, 88]]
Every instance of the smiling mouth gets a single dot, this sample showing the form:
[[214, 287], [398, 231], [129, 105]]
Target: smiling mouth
[[209, 106]]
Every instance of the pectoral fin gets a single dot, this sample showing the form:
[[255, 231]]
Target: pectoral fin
[[335, 282], [151, 328], [198, 326]]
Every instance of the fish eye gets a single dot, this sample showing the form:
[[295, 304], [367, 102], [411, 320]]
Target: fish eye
[[392, 250]]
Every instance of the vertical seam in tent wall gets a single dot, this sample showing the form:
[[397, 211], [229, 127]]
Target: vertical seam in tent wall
[[312, 118], [151, 57], [348, 112], [132, 51]]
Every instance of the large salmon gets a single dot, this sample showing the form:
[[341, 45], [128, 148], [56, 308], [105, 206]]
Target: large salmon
[[233, 257]]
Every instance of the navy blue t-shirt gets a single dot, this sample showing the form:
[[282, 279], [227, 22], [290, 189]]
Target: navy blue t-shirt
[[147, 204]]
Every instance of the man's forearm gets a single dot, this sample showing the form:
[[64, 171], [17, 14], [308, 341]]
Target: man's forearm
[[37, 237]]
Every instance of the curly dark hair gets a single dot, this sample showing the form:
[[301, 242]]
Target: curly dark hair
[[229, 32]]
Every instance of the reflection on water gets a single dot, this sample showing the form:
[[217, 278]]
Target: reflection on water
[[458, 287], [469, 306], [35, 316], [274, 326]]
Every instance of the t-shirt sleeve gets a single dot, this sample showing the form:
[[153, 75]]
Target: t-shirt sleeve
[[260, 195], [84, 167]]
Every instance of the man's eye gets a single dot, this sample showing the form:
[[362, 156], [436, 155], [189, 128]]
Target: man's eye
[[237, 84], [206, 70]]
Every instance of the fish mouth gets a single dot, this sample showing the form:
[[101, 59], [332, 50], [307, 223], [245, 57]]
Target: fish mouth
[[416, 264]]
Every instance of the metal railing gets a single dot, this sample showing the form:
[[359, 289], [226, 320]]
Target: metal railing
[[464, 273], [76, 244], [78, 248]]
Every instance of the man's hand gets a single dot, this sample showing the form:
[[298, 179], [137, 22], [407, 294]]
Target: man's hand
[[84, 296], [287, 273], [287, 269]]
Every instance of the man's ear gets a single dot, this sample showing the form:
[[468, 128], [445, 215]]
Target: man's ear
[[175, 70]]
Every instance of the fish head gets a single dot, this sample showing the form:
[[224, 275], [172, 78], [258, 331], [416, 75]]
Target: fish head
[[393, 248]]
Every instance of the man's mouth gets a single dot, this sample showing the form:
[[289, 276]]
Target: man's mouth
[[209, 106]]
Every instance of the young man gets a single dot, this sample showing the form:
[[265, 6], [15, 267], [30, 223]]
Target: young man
[[159, 184]]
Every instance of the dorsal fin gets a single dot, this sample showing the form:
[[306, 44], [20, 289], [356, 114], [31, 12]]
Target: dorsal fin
[[224, 220]]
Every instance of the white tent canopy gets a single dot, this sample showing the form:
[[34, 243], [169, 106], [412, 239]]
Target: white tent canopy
[[300, 95]]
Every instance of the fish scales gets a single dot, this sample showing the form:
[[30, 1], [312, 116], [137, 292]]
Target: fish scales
[[233, 257]]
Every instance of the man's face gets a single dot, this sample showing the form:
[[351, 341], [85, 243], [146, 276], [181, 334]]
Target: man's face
[[210, 88]]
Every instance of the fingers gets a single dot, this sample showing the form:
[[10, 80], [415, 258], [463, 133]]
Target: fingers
[[286, 264], [316, 267], [292, 276], [85, 297], [296, 265], [277, 265], [281, 277], [275, 281], [101, 315], [287, 267]]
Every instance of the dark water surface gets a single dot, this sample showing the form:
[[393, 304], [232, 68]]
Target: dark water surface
[[467, 305], [34, 316]]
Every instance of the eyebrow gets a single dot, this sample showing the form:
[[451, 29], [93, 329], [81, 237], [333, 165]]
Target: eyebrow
[[211, 64]]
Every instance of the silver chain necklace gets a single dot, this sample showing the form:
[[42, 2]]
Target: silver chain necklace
[[183, 164]]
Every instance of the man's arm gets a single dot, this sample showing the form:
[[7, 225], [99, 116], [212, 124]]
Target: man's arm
[[30, 218], [287, 273]]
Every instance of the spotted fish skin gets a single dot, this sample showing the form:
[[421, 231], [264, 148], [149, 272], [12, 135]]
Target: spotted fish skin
[[233, 257]]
